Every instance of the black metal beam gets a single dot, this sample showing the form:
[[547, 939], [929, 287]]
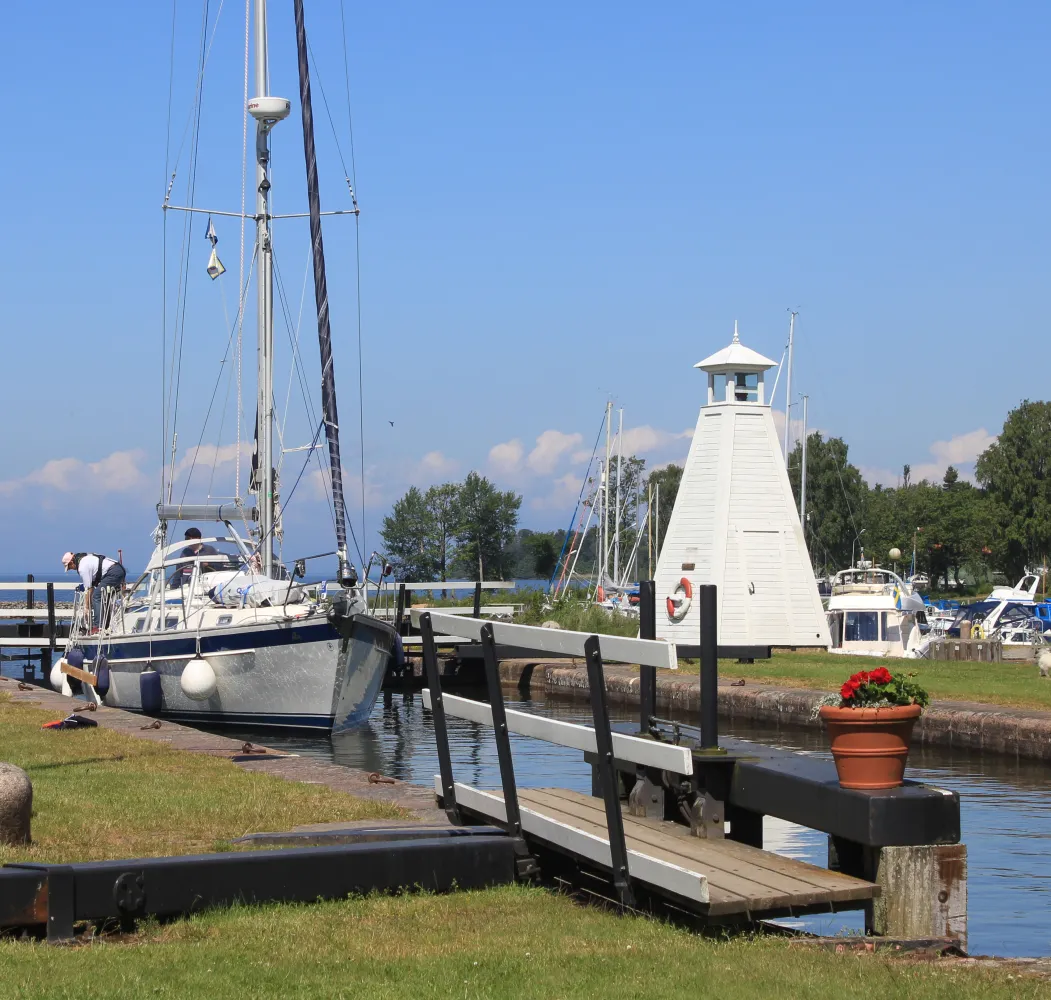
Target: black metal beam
[[172, 886], [607, 773], [477, 612], [806, 790], [441, 732], [709, 667], [647, 675]]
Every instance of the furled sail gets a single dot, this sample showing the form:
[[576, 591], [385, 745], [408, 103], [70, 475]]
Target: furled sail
[[328, 377]]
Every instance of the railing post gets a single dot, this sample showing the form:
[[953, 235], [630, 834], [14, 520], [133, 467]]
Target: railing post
[[525, 864], [441, 733], [29, 591], [478, 599], [647, 675], [400, 610], [709, 667], [607, 773], [51, 630]]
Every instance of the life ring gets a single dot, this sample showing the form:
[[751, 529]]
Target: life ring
[[977, 632], [678, 607]]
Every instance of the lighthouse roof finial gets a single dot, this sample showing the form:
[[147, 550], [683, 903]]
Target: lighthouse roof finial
[[736, 357]]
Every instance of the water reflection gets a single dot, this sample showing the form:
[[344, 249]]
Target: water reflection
[[1005, 816]]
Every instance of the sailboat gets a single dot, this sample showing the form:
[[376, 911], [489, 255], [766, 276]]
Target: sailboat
[[231, 635]]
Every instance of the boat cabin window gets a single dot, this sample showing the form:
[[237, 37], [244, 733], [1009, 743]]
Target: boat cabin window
[[140, 624], [891, 627], [835, 628], [862, 626], [172, 622], [224, 619]]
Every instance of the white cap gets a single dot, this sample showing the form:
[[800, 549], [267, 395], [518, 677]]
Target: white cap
[[67, 561]]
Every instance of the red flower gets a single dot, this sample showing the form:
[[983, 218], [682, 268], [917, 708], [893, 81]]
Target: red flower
[[881, 675], [861, 677], [846, 692], [854, 683]]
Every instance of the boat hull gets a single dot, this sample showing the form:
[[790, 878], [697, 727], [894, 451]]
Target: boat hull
[[288, 675]]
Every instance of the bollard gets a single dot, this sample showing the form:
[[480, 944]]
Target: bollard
[[16, 804]]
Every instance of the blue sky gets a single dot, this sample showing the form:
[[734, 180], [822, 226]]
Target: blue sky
[[560, 203]]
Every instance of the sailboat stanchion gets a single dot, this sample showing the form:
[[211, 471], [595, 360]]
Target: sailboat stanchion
[[525, 865], [607, 773], [441, 733], [709, 667], [647, 674]]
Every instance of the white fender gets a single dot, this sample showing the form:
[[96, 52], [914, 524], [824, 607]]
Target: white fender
[[198, 680], [58, 678]]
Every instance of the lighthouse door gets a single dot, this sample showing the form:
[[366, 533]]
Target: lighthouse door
[[766, 588]]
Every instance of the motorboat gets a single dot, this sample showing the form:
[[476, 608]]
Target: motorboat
[[873, 612]]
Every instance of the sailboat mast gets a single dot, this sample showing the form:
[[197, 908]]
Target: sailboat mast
[[264, 304], [616, 508], [788, 387]]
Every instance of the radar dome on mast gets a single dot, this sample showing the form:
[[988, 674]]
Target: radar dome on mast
[[269, 109]]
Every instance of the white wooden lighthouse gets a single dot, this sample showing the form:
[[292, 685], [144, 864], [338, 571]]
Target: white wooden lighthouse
[[735, 522]]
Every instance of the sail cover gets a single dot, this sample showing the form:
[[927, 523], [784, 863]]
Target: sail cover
[[328, 376]]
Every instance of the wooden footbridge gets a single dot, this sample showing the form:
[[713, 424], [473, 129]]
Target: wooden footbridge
[[678, 823]]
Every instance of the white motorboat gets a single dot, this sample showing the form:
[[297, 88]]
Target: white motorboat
[[873, 612], [237, 640]]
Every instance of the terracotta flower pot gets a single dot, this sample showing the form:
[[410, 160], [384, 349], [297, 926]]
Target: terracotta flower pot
[[869, 745]]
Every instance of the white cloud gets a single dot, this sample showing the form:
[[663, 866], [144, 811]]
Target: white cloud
[[550, 447], [434, 463], [564, 492], [961, 451], [207, 456], [506, 457], [645, 439], [118, 472]]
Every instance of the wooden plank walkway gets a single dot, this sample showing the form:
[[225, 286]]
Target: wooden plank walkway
[[716, 878]]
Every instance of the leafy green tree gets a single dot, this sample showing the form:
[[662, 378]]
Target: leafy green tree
[[408, 537], [487, 519], [836, 500], [1016, 474], [668, 480], [443, 506], [543, 550]]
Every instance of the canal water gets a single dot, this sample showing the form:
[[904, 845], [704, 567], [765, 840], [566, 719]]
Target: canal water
[[1006, 803]]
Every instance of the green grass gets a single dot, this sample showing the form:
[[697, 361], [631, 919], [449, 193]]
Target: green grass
[[1017, 685], [509, 942], [100, 794]]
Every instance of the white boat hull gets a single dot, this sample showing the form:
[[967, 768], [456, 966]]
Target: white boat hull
[[297, 674]]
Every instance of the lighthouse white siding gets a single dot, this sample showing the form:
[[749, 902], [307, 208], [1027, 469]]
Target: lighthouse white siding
[[735, 525]]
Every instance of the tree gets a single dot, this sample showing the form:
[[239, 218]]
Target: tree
[[663, 485], [836, 500], [408, 537], [486, 523], [1016, 473], [443, 506], [544, 550]]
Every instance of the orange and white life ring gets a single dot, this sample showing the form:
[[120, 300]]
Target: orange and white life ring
[[678, 607]]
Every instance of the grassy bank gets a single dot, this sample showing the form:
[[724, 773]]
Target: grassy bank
[[101, 794], [1017, 685], [510, 942]]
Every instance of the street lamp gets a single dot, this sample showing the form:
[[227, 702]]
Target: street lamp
[[857, 540]]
